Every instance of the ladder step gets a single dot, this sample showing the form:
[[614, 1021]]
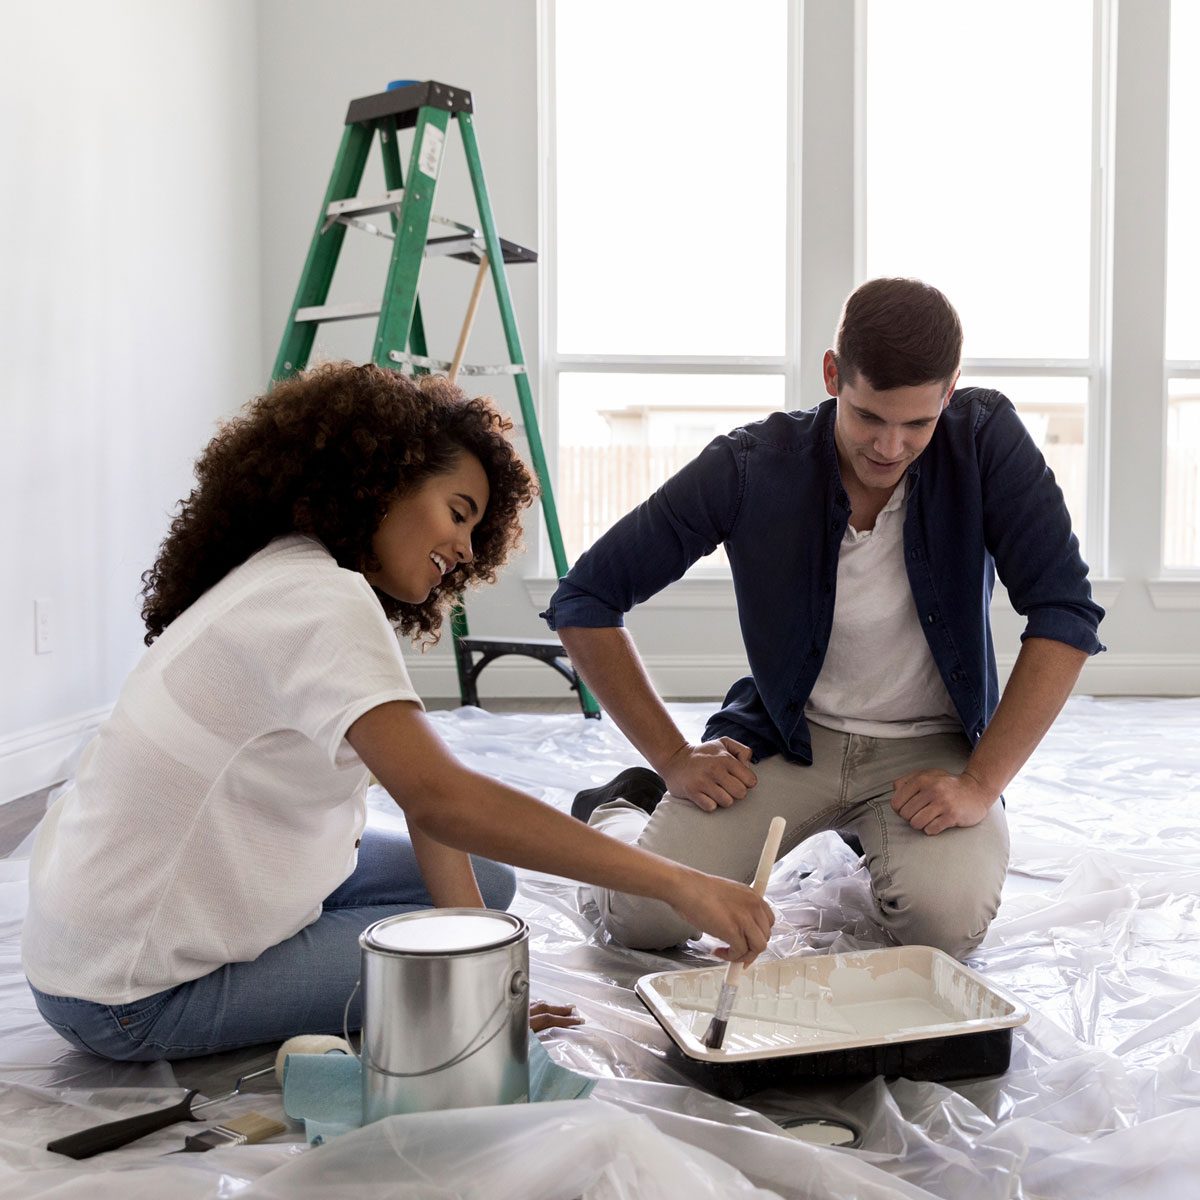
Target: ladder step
[[361, 206], [403, 103], [440, 364], [317, 313], [349, 210], [535, 646], [473, 654], [467, 244], [470, 248]]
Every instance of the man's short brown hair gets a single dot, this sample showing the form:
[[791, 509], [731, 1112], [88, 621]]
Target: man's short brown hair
[[898, 333]]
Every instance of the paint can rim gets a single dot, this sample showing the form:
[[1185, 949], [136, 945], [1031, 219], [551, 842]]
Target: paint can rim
[[518, 931]]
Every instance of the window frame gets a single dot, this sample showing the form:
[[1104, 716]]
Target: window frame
[[825, 249], [1090, 368], [552, 364], [1173, 368]]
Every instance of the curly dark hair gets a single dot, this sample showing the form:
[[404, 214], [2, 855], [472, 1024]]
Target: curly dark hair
[[324, 454]]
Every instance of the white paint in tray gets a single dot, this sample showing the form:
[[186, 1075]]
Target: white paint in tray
[[827, 1002]]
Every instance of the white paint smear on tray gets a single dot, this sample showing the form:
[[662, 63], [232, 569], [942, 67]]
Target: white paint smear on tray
[[785, 1003]]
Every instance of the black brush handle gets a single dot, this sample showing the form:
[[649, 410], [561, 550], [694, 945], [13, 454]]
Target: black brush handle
[[99, 1138]]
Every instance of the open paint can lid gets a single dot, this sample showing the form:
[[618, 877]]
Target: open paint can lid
[[443, 931], [822, 1131]]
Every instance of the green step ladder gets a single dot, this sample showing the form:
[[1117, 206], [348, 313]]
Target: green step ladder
[[400, 341]]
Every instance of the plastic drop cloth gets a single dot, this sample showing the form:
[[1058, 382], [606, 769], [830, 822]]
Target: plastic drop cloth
[[1099, 933]]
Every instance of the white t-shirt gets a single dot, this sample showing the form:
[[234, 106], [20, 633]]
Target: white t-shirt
[[220, 803], [879, 678]]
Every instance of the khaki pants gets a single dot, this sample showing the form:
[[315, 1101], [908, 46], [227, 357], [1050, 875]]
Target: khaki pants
[[938, 891]]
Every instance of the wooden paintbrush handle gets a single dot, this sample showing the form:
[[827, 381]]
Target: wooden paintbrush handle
[[766, 860], [770, 851]]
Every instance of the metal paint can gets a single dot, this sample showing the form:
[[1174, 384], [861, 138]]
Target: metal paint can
[[445, 1015]]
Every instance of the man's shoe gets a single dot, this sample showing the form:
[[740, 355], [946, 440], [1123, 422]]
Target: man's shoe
[[852, 840], [638, 785]]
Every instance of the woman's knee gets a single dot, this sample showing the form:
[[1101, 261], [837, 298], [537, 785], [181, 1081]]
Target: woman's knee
[[497, 882]]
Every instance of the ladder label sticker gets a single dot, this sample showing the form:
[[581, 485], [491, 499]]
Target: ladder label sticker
[[430, 158]]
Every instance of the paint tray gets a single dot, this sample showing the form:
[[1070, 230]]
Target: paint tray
[[905, 1010]]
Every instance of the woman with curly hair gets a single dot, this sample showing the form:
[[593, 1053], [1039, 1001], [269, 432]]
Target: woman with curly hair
[[202, 884]]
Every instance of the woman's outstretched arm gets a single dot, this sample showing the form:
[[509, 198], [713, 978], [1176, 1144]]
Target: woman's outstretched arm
[[468, 811]]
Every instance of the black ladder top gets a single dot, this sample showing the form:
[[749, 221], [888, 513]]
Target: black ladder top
[[402, 103]]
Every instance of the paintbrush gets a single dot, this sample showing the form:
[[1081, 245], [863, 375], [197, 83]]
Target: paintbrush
[[715, 1036], [239, 1131]]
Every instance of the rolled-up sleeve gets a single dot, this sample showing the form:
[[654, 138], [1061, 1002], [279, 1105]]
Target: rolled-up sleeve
[[1028, 530], [652, 546]]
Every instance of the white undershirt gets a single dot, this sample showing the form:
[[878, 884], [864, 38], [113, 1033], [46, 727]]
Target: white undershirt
[[220, 803], [879, 678]]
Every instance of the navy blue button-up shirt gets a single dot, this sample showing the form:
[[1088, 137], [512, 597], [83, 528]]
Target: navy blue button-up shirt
[[981, 501]]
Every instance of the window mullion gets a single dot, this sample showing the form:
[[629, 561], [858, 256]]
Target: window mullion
[[827, 177], [1099, 388], [547, 391], [1137, 312]]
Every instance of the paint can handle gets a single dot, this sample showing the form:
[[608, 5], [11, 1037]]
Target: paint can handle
[[516, 990], [346, 1017]]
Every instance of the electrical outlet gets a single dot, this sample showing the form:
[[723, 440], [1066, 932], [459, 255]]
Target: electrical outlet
[[43, 628]]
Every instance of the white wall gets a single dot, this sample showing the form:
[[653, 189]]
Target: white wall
[[129, 320]]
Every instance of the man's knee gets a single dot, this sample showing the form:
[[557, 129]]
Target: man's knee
[[497, 882], [956, 926], [641, 924]]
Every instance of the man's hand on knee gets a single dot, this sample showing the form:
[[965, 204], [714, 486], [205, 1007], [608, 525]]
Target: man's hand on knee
[[711, 775], [933, 801]]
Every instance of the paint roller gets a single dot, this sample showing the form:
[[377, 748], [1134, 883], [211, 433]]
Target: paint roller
[[252, 1127]]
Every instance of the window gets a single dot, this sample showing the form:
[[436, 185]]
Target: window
[[621, 435], [986, 192], [667, 310], [1181, 524], [1000, 150]]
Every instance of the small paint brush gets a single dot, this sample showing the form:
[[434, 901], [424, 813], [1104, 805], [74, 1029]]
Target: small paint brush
[[239, 1131], [714, 1038]]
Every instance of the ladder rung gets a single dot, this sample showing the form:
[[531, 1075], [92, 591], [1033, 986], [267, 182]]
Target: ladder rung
[[347, 210], [336, 312], [371, 228], [356, 206], [499, 369], [537, 646], [366, 226], [362, 206], [467, 245], [439, 364]]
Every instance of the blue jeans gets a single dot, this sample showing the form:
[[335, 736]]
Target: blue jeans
[[297, 986]]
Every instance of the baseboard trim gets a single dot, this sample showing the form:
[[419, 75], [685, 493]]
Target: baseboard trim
[[39, 757], [1112, 674]]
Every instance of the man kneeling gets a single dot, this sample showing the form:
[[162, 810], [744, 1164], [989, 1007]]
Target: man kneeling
[[863, 537]]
